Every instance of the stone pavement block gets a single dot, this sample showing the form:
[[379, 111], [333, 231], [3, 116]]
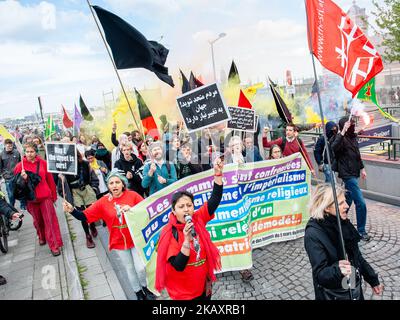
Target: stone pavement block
[[20, 283], [60, 297], [88, 262], [19, 250], [107, 298], [99, 292], [94, 280], [83, 253], [46, 294], [19, 294], [23, 256], [5, 263]]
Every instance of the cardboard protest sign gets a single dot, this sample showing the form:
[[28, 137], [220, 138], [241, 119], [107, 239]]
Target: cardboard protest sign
[[203, 107], [62, 158], [242, 119], [263, 202]]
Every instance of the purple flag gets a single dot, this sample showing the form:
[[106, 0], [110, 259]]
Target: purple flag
[[77, 120]]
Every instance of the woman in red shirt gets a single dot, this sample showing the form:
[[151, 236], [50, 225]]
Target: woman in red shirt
[[110, 209], [186, 261], [42, 208]]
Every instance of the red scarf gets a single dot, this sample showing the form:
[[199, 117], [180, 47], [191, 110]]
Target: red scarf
[[213, 259]]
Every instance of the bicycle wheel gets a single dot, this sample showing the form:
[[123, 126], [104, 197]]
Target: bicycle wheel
[[3, 236]]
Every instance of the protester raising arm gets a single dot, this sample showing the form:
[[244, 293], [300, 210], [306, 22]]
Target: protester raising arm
[[180, 261], [268, 144], [114, 135]]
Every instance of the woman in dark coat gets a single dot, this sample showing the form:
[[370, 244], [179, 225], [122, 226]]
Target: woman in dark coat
[[323, 247], [103, 154]]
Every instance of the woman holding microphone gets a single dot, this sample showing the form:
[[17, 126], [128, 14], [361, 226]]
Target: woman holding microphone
[[187, 258]]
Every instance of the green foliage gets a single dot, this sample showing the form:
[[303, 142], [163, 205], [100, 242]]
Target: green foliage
[[388, 21]]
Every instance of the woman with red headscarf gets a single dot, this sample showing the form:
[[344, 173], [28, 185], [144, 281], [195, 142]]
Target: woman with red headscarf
[[185, 261]]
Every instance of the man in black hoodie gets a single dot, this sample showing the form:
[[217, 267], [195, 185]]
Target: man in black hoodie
[[131, 166], [320, 150], [350, 167]]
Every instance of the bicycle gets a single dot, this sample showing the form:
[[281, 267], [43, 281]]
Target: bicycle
[[7, 224]]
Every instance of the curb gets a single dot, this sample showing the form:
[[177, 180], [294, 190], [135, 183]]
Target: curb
[[75, 290]]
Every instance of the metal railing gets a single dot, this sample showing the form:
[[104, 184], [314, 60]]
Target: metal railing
[[393, 143]]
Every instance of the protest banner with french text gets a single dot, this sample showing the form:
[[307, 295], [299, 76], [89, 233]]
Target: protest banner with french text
[[262, 203]]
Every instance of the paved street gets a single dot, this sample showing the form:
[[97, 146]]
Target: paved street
[[281, 270]]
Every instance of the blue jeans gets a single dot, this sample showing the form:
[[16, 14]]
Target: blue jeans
[[354, 194], [11, 198], [10, 194]]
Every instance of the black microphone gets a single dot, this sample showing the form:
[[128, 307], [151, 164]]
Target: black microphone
[[188, 218]]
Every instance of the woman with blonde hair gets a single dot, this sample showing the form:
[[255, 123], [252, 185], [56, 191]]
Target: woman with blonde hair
[[323, 245]]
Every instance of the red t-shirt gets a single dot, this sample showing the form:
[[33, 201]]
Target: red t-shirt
[[189, 283], [104, 209]]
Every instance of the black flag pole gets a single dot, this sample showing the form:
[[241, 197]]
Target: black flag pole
[[278, 100], [333, 178], [41, 110], [115, 67]]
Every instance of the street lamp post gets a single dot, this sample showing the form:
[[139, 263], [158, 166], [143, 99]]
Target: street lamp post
[[221, 35]]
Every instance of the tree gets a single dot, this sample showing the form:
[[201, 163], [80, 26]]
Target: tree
[[388, 21]]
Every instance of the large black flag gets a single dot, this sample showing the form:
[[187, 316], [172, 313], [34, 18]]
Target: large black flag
[[185, 83], [130, 48], [84, 110], [233, 77], [281, 107]]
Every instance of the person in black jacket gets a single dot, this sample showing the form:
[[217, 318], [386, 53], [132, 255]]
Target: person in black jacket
[[320, 151], [9, 158], [349, 166], [103, 154], [187, 162], [131, 165], [324, 249]]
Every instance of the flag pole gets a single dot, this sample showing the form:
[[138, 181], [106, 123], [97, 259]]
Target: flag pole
[[113, 63], [41, 110], [287, 121], [333, 178]]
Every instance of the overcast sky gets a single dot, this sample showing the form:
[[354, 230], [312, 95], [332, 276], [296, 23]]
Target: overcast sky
[[52, 49]]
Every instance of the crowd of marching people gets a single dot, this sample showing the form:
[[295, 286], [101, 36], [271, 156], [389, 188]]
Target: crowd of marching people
[[110, 182]]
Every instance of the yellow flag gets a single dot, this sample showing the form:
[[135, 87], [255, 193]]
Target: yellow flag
[[122, 106], [251, 91], [5, 133]]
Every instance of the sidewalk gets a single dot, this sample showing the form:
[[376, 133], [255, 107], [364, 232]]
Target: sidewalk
[[33, 273]]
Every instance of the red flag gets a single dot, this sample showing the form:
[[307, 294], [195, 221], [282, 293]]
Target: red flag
[[340, 45], [148, 123], [243, 101], [68, 123]]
